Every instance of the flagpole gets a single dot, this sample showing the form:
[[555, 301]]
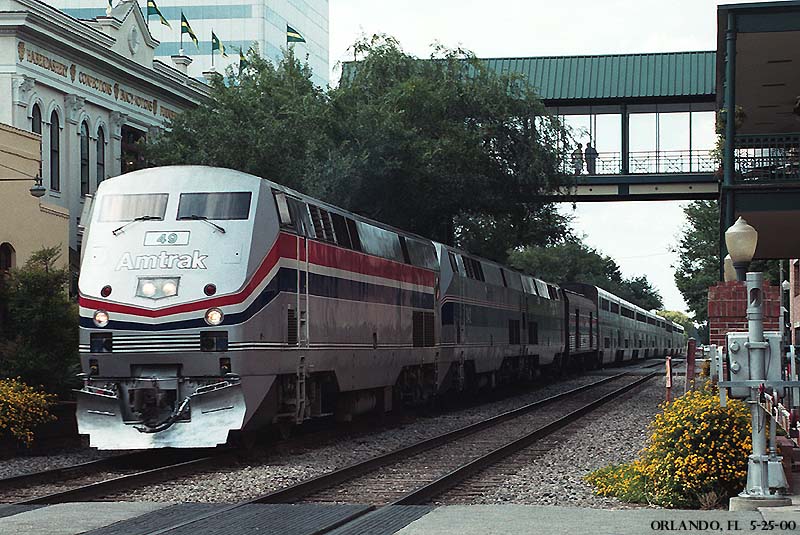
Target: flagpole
[[212, 49], [182, 17]]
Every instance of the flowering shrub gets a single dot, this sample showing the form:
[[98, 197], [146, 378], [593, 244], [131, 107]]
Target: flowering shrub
[[21, 409], [697, 449]]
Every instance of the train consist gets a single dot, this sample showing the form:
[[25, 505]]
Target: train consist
[[214, 302]]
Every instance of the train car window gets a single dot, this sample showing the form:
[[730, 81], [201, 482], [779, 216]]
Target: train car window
[[316, 221], [340, 228], [422, 254], [541, 288], [514, 280], [353, 232], [553, 292], [453, 264], [492, 274], [130, 206], [379, 242], [641, 317], [651, 321], [604, 304], [218, 206], [614, 308], [327, 226], [283, 209], [529, 285], [404, 248]]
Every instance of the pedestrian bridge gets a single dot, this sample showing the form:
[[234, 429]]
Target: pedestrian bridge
[[625, 85]]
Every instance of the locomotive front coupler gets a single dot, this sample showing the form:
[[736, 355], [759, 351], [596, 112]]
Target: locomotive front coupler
[[231, 379]]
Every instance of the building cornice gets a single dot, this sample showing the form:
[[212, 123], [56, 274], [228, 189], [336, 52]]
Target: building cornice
[[71, 37]]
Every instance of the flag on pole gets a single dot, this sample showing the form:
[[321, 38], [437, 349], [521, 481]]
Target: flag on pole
[[243, 63], [186, 29], [108, 9], [216, 44], [293, 36], [152, 9]]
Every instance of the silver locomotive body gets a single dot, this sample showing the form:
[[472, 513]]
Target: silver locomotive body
[[214, 302]]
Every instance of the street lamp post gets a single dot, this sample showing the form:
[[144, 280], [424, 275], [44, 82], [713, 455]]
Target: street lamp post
[[37, 190], [741, 240]]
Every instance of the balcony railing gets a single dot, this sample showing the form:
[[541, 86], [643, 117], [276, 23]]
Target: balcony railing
[[645, 162], [761, 159]]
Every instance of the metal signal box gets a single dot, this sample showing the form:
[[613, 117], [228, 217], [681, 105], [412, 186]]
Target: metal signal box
[[740, 365]]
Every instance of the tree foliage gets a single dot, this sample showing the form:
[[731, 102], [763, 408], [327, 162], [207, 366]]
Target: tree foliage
[[681, 319], [443, 146], [698, 257], [40, 328], [574, 261]]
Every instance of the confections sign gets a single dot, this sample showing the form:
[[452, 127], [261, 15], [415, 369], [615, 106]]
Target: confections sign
[[91, 80]]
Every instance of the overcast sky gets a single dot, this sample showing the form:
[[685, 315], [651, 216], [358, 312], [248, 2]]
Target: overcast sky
[[638, 235]]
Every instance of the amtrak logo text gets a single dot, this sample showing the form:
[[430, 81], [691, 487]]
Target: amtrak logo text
[[163, 260]]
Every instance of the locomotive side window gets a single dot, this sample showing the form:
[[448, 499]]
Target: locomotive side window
[[614, 308], [340, 227], [422, 254], [379, 242], [283, 209], [316, 220], [541, 288], [453, 264], [130, 207], [353, 232], [404, 248], [219, 206], [553, 292], [529, 285], [604, 304]]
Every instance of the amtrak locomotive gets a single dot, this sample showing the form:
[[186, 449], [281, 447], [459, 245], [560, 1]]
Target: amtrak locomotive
[[214, 302]]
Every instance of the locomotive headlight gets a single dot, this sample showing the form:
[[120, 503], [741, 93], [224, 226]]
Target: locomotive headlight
[[148, 288], [214, 316], [100, 318], [169, 288], [158, 287]]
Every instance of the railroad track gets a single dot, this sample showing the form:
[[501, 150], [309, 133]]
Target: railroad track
[[417, 473], [442, 462], [94, 479]]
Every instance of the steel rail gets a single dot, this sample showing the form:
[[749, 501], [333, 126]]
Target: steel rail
[[66, 472], [427, 492], [327, 480], [119, 483]]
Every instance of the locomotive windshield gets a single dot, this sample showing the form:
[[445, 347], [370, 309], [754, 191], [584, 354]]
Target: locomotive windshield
[[235, 205], [133, 206]]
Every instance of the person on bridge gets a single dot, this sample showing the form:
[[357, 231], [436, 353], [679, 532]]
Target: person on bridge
[[591, 158], [577, 159]]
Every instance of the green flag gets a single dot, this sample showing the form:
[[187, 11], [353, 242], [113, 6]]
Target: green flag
[[186, 29], [152, 9], [216, 44], [243, 63], [293, 36]]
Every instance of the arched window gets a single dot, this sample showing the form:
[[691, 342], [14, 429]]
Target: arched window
[[36, 128], [55, 161], [101, 155], [7, 257], [36, 120], [84, 158]]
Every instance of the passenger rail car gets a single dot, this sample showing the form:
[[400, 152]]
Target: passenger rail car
[[214, 302], [628, 332]]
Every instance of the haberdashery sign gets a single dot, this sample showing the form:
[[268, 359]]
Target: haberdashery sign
[[79, 75]]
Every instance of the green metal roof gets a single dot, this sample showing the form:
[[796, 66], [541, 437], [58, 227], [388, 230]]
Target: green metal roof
[[617, 77]]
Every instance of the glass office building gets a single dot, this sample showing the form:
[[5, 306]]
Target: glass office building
[[237, 23]]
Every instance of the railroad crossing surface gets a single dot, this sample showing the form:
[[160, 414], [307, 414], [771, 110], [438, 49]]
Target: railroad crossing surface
[[129, 518]]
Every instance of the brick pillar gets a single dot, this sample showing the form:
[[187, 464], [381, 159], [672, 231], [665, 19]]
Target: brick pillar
[[727, 309]]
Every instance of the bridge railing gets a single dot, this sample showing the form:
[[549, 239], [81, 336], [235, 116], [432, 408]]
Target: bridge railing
[[644, 162], [763, 159]]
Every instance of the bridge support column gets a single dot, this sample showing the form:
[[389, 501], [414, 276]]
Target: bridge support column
[[728, 159], [625, 167]]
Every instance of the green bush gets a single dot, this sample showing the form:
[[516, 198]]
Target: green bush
[[40, 330], [696, 456]]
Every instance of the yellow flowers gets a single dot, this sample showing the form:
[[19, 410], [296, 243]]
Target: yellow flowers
[[21, 409], [696, 448]]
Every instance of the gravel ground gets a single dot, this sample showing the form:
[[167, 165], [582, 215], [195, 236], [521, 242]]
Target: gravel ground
[[614, 434], [277, 469], [28, 464]]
